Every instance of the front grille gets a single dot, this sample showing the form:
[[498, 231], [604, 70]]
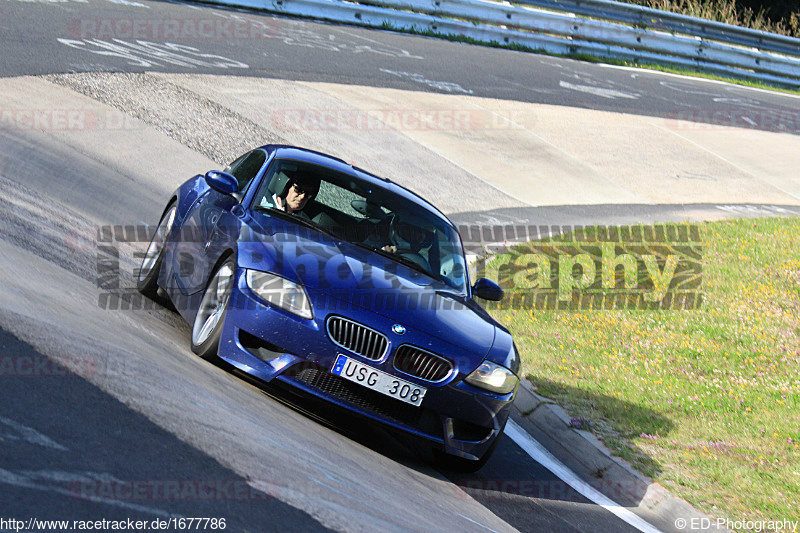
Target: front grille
[[366, 399], [419, 363], [357, 338]]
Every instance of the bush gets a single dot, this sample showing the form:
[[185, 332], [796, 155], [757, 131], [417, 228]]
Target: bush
[[781, 17]]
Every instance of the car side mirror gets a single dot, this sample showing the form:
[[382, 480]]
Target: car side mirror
[[487, 289], [222, 182]]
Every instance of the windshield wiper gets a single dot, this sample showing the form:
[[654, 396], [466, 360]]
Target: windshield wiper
[[395, 256], [294, 218], [409, 263]]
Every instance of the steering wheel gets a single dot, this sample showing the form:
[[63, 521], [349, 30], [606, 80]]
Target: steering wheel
[[394, 230], [403, 247]]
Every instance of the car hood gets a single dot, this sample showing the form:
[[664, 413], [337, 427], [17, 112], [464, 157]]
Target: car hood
[[336, 272]]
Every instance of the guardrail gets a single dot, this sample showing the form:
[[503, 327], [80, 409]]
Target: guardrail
[[569, 33], [663, 20]]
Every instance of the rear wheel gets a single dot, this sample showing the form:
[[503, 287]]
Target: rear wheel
[[147, 282], [210, 316]]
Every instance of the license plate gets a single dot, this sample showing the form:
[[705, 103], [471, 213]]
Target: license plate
[[378, 380]]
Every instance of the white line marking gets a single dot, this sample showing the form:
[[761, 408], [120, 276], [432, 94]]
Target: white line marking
[[729, 85], [750, 121], [476, 523], [598, 91], [31, 435], [448, 86], [539, 454], [20, 480], [403, 53], [128, 3]]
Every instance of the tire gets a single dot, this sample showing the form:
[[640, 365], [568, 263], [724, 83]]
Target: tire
[[210, 317], [460, 464], [147, 281]]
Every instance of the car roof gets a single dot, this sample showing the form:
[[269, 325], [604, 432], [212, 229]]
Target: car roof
[[311, 156]]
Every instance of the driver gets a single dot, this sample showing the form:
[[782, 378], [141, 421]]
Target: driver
[[296, 194]]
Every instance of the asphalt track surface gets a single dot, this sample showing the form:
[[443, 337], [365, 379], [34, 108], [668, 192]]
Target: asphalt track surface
[[349, 478], [304, 51], [65, 438]]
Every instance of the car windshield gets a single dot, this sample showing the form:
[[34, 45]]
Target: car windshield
[[359, 212]]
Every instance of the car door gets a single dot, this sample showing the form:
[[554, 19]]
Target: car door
[[210, 225]]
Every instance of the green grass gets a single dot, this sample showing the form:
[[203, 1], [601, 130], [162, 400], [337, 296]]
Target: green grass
[[706, 402], [728, 12]]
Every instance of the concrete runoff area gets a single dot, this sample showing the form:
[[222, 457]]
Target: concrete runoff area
[[114, 140], [500, 152], [470, 154], [463, 153]]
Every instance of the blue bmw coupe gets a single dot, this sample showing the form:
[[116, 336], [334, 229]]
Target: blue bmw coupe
[[293, 266]]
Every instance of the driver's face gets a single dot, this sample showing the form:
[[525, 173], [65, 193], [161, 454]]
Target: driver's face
[[296, 198]]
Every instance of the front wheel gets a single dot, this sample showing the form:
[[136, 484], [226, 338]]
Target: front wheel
[[147, 282], [208, 322]]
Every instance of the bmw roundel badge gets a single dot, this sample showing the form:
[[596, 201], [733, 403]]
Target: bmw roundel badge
[[398, 329]]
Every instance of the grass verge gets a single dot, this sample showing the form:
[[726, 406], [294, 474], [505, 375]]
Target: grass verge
[[787, 21], [706, 401]]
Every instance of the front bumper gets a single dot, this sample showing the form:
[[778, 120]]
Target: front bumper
[[269, 343]]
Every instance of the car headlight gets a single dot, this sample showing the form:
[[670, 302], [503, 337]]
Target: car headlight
[[493, 377], [280, 292]]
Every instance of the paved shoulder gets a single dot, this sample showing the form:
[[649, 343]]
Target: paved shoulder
[[72, 452]]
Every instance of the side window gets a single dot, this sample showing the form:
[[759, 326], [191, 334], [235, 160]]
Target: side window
[[246, 167], [340, 199]]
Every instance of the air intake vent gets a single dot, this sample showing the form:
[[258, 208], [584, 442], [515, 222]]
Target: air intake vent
[[419, 363], [425, 420], [357, 338]]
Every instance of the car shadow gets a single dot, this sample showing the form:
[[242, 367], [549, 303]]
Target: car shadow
[[596, 414], [512, 484], [358, 428]]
